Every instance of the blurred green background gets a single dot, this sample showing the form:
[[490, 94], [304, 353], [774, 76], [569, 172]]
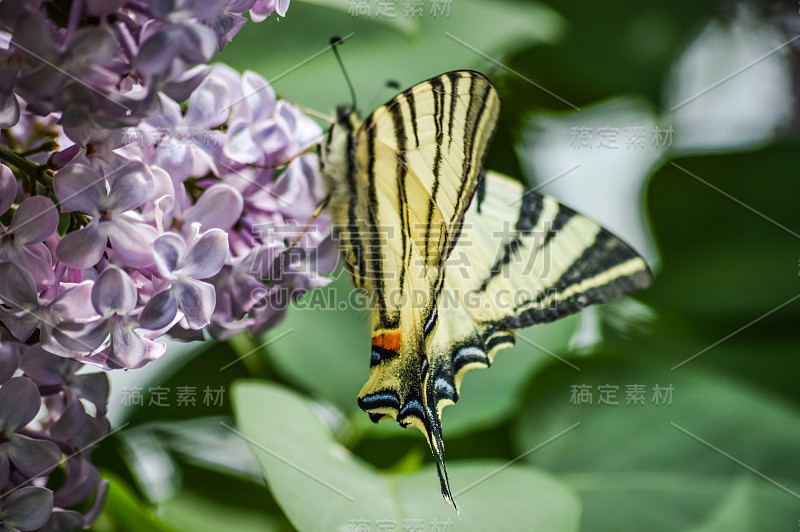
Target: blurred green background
[[703, 366]]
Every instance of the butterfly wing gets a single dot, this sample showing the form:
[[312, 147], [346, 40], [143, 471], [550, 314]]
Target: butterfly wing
[[413, 167], [522, 259]]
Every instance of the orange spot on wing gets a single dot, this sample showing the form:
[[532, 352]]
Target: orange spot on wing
[[387, 340]]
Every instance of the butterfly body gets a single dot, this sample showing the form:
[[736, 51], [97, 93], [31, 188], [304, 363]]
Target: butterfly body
[[451, 277]]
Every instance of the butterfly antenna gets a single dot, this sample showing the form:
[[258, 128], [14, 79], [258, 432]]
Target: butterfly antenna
[[335, 43]]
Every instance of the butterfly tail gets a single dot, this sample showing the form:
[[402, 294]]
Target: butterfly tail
[[437, 449]]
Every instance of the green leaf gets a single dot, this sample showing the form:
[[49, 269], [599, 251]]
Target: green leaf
[[376, 54], [321, 486], [407, 25], [664, 467], [191, 511], [323, 346], [125, 512], [586, 65], [725, 226]]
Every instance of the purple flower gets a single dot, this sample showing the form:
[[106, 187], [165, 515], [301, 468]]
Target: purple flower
[[79, 188], [114, 333], [22, 310], [8, 188], [228, 23], [181, 42], [9, 104], [264, 8], [26, 509], [253, 130], [22, 455], [68, 306], [160, 205], [55, 374], [34, 221], [187, 144], [9, 358], [184, 268]]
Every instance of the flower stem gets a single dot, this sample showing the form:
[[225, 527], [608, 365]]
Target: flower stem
[[32, 173]]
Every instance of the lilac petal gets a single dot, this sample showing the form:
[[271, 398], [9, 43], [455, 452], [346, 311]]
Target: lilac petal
[[131, 241], [63, 521], [281, 7], [262, 9], [93, 387], [9, 111], [204, 9], [196, 300], [181, 87], [19, 403], [82, 480], [169, 116], [240, 146], [5, 465], [176, 157], [99, 501], [9, 362], [207, 255], [99, 8], [17, 289], [159, 311], [79, 188], [35, 220], [129, 348], [219, 207], [198, 43], [156, 53], [8, 188], [209, 105], [167, 251], [70, 423], [271, 136], [94, 430], [304, 130], [80, 337], [114, 292], [259, 95], [133, 185], [45, 368], [21, 324], [27, 509], [83, 248], [34, 458], [70, 305], [92, 45], [37, 261]]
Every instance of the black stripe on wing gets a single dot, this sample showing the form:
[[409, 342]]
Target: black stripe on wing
[[531, 207]]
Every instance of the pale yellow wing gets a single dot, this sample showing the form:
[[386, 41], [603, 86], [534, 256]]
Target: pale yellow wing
[[522, 259], [412, 168]]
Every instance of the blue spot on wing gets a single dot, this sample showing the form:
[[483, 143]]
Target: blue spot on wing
[[384, 399]]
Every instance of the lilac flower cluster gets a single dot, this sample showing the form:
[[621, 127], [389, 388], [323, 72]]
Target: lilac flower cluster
[[105, 64], [142, 194]]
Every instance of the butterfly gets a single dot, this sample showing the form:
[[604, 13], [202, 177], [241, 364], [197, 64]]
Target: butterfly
[[454, 259]]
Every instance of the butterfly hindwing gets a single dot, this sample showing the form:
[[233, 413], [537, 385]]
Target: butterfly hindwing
[[522, 259]]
